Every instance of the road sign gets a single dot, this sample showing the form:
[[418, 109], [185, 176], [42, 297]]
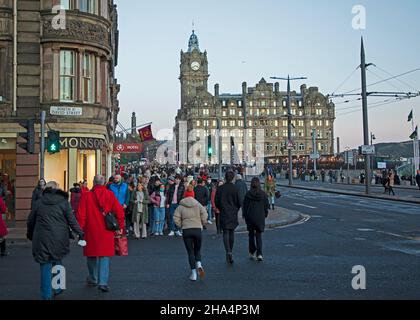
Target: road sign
[[349, 157], [368, 150], [315, 156], [66, 111], [290, 145]]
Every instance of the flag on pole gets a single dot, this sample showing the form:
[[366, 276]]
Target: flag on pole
[[146, 134], [415, 134], [410, 116]]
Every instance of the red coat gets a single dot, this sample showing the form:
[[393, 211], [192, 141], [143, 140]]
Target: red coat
[[100, 241], [3, 227]]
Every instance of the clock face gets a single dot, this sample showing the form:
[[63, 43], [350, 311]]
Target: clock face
[[195, 66]]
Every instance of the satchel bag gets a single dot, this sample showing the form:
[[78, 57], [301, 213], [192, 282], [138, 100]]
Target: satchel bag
[[111, 222]]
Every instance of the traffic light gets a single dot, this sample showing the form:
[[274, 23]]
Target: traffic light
[[209, 146], [53, 143], [28, 136]]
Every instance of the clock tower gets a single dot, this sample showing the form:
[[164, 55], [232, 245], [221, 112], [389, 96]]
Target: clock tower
[[194, 73]]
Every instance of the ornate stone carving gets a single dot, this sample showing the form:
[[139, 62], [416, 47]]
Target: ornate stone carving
[[78, 30]]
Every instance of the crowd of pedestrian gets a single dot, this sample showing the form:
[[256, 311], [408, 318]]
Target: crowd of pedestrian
[[159, 201]]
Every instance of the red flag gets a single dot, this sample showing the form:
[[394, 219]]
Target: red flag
[[146, 134]]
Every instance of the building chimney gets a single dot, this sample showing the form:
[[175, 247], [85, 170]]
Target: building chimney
[[216, 90], [133, 124], [277, 88]]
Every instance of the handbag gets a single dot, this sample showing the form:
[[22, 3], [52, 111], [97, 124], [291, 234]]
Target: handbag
[[121, 246], [278, 195], [111, 222]]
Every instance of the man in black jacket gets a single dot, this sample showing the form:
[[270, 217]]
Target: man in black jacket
[[227, 201], [49, 227], [174, 197], [202, 193]]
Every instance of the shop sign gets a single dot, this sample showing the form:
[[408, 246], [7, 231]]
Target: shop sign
[[82, 143], [66, 111], [128, 148]]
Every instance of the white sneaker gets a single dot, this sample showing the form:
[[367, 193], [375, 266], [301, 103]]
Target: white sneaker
[[171, 234], [178, 233], [200, 270], [253, 257], [209, 222], [193, 276]]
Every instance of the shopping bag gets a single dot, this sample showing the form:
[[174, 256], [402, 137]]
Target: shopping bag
[[121, 246]]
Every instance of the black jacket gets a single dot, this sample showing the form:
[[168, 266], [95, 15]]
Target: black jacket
[[242, 189], [227, 201], [171, 191], [49, 226], [418, 179], [202, 195], [36, 195], [255, 210]]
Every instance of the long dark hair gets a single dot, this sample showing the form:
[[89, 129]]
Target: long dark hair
[[256, 184]]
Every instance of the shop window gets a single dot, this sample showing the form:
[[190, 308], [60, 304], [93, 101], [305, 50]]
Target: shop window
[[86, 166], [56, 168]]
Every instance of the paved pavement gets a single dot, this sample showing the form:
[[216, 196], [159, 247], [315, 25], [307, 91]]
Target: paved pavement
[[411, 195], [311, 260]]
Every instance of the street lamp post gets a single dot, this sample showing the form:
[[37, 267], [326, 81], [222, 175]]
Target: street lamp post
[[289, 124], [372, 138], [348, 164]]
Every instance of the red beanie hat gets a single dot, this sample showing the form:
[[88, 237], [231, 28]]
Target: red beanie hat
[[189, 194]]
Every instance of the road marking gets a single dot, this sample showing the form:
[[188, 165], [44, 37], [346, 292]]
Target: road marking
[[365, 230], [399, 236], [304, 205]]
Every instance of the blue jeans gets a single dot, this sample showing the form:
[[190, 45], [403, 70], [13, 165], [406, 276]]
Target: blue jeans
[[98, 270], [159, 220], [46, 280], [209, 211], [151, 218], [172, 225]]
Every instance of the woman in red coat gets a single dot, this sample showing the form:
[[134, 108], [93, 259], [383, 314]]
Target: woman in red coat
[[100, 242], [3, 229]]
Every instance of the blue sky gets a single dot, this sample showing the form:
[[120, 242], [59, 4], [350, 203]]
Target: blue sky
[[250, 39]]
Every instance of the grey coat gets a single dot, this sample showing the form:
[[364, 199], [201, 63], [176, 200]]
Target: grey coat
[[242, 190], [49, 226]]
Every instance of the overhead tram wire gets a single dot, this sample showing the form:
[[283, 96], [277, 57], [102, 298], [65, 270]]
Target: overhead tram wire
[[385, 80], [380, 78], [401, 81], [345, 81], [373, 106]]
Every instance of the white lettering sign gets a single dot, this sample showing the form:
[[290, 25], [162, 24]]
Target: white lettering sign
[[66, 111]]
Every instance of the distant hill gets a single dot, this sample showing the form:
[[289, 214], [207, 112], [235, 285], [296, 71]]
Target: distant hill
[[395, 150]]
